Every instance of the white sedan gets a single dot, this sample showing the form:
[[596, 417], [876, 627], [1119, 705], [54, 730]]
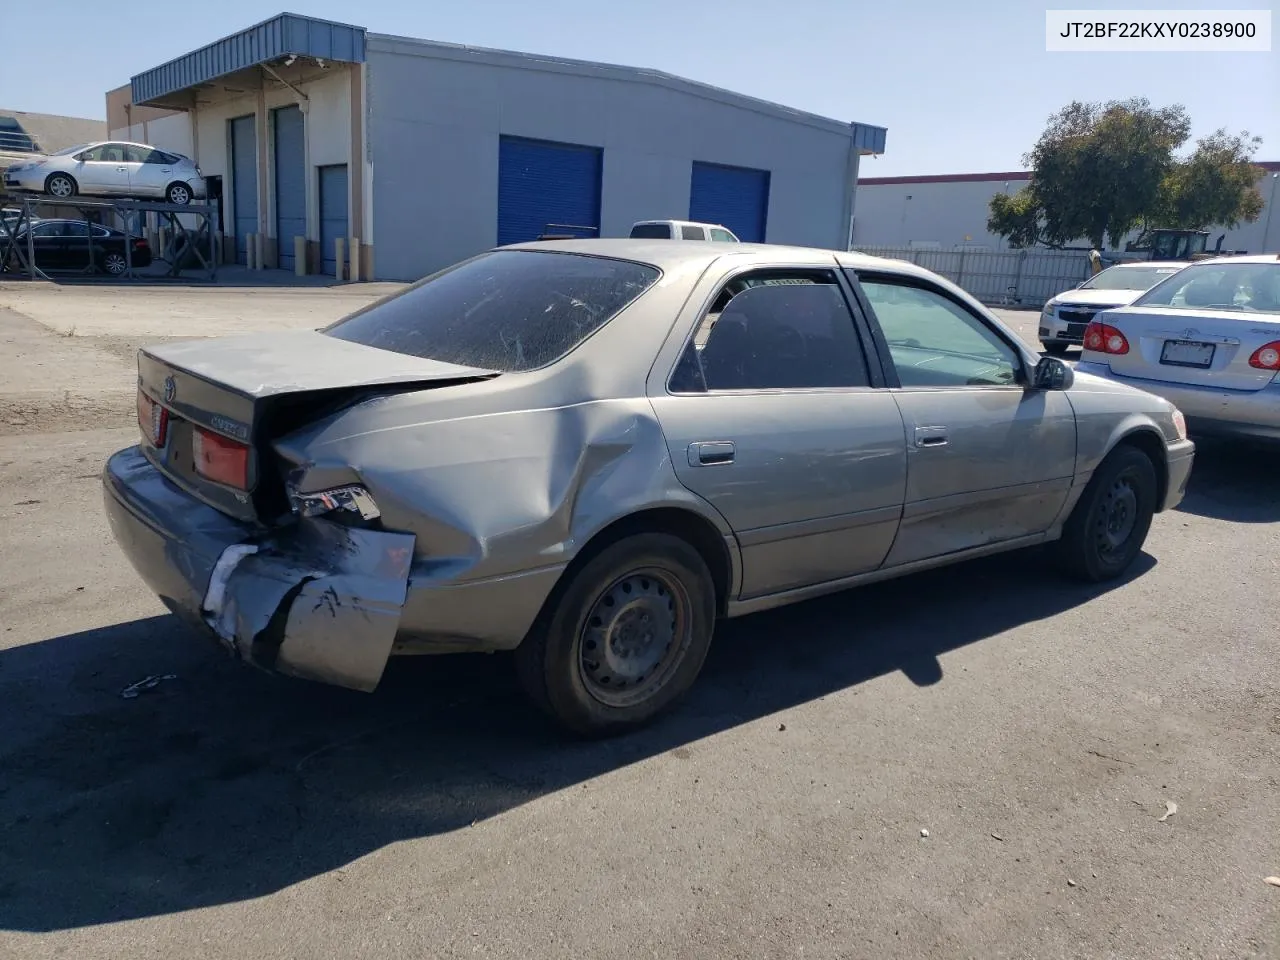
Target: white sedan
[[1064, 318], [111, 168], [1207, 339]]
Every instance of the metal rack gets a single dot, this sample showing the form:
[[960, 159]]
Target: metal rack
[[184, 241]]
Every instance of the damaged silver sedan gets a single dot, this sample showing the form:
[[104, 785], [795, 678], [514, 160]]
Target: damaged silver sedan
[[590, 451]]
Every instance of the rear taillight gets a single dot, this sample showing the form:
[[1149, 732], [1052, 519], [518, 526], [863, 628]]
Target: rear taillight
[[1267, 356], [153, 419], [1105, 339], [220, 460], [138, 243]]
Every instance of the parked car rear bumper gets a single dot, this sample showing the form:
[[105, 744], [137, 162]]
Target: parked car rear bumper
[[314, 599], [1210, 411]]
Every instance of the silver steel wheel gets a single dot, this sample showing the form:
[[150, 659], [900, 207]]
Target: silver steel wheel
[[179, 194], [634, 638], [115, 264], [1117, 515], [61, 185]]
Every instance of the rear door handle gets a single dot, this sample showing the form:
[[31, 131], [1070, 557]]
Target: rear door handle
[[931, 436], [709, 453]]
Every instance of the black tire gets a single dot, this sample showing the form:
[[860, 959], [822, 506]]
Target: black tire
[[1109, 524], [1055, 348], [61, 185], [179, 194], [112, 263], [570, 674]]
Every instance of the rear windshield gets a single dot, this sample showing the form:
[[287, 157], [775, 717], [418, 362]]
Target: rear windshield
[[507, 311], [1251, 287], [651, 231], [1128, 278]]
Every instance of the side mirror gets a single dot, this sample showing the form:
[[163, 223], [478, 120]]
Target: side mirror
[[1052, 374]]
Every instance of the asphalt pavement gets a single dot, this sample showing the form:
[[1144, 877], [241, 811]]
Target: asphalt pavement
[[1096, 769]]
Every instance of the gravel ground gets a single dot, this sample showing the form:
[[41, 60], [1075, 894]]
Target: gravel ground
[[1037, 730]]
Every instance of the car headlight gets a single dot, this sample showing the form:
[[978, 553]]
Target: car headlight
[[1048, 309], [1180, 423]]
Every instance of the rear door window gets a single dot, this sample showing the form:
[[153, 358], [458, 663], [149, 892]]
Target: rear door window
[[651, 231], [506, 311], [775, 330], [691, 231]]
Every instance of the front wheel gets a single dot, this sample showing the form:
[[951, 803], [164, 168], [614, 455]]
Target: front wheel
[[1109, 524], [624, 639], [179, 194], [60, 185]]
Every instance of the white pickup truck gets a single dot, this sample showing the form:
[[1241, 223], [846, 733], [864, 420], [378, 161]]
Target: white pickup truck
[[681, 230]]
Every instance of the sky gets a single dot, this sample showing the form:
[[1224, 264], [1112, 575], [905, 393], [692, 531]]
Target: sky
[[963, 87]]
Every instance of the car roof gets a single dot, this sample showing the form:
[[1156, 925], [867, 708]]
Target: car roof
[[669, 254], [1136, 264], [1247, 258]]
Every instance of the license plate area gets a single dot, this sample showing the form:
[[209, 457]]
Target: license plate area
[[1187, 353]]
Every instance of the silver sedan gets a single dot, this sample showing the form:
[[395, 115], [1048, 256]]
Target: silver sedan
[[590, 451], [110, 169], [1207, 339]]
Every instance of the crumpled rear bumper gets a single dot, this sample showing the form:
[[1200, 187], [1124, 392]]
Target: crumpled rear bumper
[[316, 599]]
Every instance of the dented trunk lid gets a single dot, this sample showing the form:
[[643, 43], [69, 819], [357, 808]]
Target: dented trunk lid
[[257, 387]]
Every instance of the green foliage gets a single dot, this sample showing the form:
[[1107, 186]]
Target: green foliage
[[1101, 170]]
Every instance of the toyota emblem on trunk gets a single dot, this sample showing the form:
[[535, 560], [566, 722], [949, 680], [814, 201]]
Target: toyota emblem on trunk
[[170, 388]]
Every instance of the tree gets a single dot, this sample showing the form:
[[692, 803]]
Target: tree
[[1215, 186], [1100, 170]]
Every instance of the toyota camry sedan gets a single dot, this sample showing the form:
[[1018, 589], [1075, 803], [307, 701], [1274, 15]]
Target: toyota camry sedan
[[1206, 339], [592, 451]]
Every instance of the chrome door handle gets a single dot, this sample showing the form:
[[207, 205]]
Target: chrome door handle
[[931, 436], [711, 453]]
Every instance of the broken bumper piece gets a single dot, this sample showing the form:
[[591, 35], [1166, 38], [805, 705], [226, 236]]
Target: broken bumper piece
[[316, 600]]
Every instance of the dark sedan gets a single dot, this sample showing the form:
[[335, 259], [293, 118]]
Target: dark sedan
[[78, 245]]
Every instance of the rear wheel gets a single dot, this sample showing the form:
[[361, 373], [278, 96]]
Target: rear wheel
[[178, 194], [1109, 524], [1055, 348], [113, 263], [61, 185], [624, 639]]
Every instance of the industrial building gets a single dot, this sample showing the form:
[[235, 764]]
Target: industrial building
[[949, 211], [419, 153]]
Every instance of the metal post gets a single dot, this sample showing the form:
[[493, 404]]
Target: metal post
[[128, 247], [960, 270], [338, 257]]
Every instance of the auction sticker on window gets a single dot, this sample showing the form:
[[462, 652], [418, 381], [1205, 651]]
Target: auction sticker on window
[[1158, 31]]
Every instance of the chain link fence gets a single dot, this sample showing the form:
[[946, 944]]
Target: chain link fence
[[1026, 278]]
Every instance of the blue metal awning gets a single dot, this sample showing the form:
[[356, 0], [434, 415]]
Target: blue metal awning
[[278, 37], [868, 139]]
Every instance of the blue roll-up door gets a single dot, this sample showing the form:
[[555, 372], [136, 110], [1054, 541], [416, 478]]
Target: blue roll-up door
[[244, 181], [291, 181], [333, 212], [734, 197], [547, 187]]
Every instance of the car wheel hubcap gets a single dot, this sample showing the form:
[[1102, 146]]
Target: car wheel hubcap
[[60, 188], [1118, 516], [115, 263], [178, 195], [634, 637]]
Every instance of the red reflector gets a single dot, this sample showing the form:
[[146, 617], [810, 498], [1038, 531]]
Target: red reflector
[[153, 419], [1105, 339], [220, 460], [1267, 356]]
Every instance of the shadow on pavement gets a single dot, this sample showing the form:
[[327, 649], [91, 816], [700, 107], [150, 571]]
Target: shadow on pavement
[[1237, 481], [226, 784]]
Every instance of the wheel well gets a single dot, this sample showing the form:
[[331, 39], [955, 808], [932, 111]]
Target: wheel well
[[1151, 444], [698, 532]]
